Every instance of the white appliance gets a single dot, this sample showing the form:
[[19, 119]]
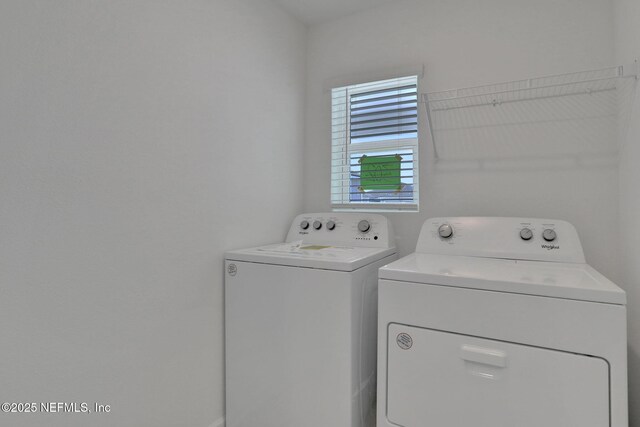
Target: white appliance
[[301, 325], [499, 322]]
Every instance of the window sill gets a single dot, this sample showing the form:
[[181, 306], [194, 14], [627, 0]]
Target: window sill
[[389, 207]]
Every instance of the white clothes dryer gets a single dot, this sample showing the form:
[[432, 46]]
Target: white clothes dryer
[[499, 322]]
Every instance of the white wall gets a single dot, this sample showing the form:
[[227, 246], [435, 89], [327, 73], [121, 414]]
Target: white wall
[[627, 14], [464, 43], [139, 140]]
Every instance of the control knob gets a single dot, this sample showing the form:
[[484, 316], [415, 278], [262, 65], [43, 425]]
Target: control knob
[[304, 225], [331, 225], [317, 225], [445, 231], [526, 234], [364, 226], [549, 235]]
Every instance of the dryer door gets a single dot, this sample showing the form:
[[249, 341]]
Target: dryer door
[[451, 380]]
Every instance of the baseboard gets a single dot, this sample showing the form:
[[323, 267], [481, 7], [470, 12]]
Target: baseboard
[[218, 423]]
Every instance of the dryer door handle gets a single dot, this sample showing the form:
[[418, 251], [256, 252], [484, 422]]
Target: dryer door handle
[[484, 356]]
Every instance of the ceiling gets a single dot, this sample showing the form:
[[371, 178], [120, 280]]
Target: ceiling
[[316, 11]]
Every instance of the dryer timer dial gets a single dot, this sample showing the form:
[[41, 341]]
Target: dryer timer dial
[[445, 231]]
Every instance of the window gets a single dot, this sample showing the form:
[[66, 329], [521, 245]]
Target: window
[[374, 154]]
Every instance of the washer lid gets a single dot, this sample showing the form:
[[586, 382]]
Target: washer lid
[[551, 279], [326, 257]]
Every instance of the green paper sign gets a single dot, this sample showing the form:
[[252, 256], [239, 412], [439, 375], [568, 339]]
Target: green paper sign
[[380, 173]]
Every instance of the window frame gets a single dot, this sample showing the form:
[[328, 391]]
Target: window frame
[[348, 148]]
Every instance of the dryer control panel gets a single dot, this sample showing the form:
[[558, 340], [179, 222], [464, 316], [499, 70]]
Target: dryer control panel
[[344, 228], [497, 237]]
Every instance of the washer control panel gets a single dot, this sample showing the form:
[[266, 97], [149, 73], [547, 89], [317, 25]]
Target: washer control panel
[[345, 228], [497, 237]]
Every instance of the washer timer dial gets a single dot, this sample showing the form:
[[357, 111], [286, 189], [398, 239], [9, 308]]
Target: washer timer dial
[[364, 226]]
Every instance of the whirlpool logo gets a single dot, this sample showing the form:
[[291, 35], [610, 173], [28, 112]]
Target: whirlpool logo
[[232, 269], [550, 247]]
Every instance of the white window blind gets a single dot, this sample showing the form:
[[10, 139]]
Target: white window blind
[[374, 155]]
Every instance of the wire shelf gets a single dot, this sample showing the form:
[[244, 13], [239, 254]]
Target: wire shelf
[[565, 112]]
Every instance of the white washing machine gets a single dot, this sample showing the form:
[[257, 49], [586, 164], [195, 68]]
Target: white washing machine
[[499, 322], [301, 324]]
